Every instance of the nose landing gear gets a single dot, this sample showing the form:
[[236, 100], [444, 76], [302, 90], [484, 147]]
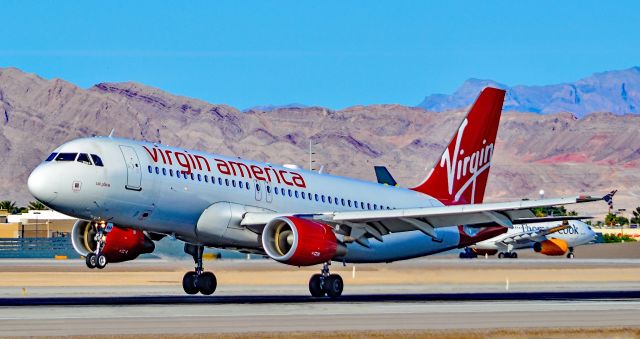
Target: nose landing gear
[[96, 259], [326, 283], [198, 280]]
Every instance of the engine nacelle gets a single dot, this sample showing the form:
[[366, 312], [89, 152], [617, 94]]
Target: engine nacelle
[[300, 242], [121, 244], [551, 247]]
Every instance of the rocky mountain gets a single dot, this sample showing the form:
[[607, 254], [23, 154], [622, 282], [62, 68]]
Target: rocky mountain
[[559, 152], [615, 91]]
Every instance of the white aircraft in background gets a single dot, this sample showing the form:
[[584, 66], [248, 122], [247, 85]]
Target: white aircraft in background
[[128, 194], [548, 238]]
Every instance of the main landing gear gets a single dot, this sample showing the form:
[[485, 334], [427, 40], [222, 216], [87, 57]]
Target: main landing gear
[[570, 255], [96, 259], [468, 254], [512, 255], [198, 280], [326, 284]]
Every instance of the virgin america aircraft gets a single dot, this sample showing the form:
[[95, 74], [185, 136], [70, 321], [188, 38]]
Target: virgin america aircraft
[[128, 194]]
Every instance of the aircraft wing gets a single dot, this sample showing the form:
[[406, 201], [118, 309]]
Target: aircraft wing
[[532, 236], [426, 219]]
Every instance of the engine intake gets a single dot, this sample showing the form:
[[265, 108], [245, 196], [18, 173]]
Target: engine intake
[[552, 247], [121, 244], [300, 242]]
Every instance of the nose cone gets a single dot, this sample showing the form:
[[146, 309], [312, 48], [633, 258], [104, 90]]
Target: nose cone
[[41, 185]]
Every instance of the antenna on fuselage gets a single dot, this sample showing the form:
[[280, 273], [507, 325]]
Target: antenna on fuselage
[[111, 133]]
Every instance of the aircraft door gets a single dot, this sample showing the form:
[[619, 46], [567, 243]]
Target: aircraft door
[[134, 173], [258, 189], [268, 191]]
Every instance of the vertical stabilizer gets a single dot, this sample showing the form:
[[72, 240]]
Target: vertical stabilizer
[[460, 174]]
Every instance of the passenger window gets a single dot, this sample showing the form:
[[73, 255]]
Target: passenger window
[[303, 195], [316, 197], [282, 191], [206, 178], [150, 169], [290, 193], [342, 201], [199, 177], [66, 157], [335, 199], [362, 205], [233, 183], [193, 177], [258, 187], [349, 203], [170, 172], [296, 194], [330, 201], [220, 181], [268, 189], [157, 170], [51, 156], [322, 196], [184, 174], [164, 171], [226, 182], [96, 160], [275, 190], [309, 195]]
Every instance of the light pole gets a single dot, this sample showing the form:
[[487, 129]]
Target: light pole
[[621, 210], [36, 214]]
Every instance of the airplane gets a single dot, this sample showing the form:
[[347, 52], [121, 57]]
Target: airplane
[[548, 238], [128, 194]]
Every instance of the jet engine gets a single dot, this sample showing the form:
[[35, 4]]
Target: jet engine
[[121, 244], [551, 247], [300, 242]]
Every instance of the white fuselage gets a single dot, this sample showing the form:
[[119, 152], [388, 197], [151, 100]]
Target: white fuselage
[[163, 189], [578, 233]]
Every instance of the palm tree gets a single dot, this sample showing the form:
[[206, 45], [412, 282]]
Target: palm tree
[[36, 205], [8, 205], [636, 216]]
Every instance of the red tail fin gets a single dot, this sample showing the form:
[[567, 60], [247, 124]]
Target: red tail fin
[[460, 175]]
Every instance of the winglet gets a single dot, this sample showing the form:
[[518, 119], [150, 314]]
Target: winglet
[[609, 198], [111, 133]]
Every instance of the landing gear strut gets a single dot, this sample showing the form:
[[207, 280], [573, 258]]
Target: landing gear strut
[[96, 259], [570, 255], [198, 280], [326, 283]]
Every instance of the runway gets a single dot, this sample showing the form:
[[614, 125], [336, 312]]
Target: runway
[[144, 298]]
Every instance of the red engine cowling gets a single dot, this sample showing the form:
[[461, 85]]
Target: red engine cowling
[[551, 247], [300, 242], [121, 244]]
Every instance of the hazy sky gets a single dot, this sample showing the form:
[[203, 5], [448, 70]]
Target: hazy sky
[[329, 53]]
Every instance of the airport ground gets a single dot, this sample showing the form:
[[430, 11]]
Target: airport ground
[[437, 297]]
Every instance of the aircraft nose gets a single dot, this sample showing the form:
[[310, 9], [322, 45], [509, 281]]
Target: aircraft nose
[[41, 186]]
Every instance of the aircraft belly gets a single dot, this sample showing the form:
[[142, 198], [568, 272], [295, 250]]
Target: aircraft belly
[[404, 245]]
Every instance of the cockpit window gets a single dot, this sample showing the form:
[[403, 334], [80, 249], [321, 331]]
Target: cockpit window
[[96, 160], [84, 158], [51, 156], [66, 157]]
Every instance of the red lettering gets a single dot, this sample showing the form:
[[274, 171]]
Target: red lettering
[[223, 167], [182, 159], [285, 179], [193, 163], [168, 152], [153, 156], [298, 180], [257, 172], [267, 169], [206, 162], [241, 168]]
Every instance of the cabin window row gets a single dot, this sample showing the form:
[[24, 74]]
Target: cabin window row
[[281, 191]]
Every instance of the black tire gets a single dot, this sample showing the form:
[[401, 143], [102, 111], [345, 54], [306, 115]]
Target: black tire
[[463, 255], [91, 260], [333, 285], [514, 255], [207, 283], [101, 261], [189, 283], [315, 286], [570, 255], [500, 255]]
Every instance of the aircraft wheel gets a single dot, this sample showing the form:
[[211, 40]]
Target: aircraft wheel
[[500, 255], [333, 285], [207, 283], [189, 283], [463, 255], [570, 255], [91, 260], [315, 286], [514, 255], [101, 261]]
